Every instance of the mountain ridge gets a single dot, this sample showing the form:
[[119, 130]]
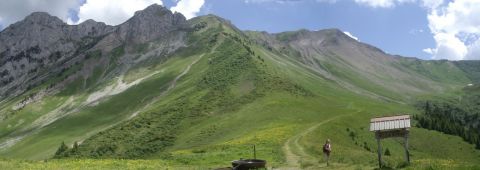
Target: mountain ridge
[[193, 91], [30, 49]]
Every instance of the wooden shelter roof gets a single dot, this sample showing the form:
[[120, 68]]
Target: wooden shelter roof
[[390, 123]]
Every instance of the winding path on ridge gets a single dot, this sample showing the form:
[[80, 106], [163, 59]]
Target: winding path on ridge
[[294, 159]]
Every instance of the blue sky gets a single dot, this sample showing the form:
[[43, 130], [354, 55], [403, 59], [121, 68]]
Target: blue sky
[[427, 29], [400, 30]]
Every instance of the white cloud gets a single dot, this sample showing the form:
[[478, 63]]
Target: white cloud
[[429, 4], [328, 1], [284, 1], [112, 12], [449, 47], [382, 3], [350, 35], [429, 50], [473, 51], [15, 10], [258, 1], [456, 30], [189, 8], [432, 4], [455, 26]]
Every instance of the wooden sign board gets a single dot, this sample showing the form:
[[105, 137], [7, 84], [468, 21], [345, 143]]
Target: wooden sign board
[[391, 133], [391, 126]]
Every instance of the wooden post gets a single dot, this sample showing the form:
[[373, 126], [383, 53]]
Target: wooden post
[[379, 150], [254, 152], [388, 127], [407, 154]]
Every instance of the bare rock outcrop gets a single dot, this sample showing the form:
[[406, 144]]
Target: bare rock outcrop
[[40, 46]]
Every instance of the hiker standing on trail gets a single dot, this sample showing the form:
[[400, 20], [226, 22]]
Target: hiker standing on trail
[[327, 148]]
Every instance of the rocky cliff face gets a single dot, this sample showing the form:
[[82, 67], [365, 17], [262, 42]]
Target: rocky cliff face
[[152, 23], [41, 45]]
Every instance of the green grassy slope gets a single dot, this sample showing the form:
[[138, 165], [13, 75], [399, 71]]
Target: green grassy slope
[[442, 70], [223, 80], [208, 103], [278, 117], [471, 68], [92, 119], [362, 68]]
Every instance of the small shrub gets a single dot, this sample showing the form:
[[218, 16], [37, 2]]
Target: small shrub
[[387, 152], [352, 135]]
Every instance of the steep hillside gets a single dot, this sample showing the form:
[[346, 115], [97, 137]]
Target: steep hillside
[[91, 74], [362, 68], [40, 47], [200, 93], [471, 68]]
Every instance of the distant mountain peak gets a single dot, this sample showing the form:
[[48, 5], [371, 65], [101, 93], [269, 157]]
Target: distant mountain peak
[[44, 42], [152, 9], [333, 31], [43, 18], [151, 23], [91, 22], [155, 12]]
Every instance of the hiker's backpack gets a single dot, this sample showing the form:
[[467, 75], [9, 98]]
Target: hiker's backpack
[[325, 148]]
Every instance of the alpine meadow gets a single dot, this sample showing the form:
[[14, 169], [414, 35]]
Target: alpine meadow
[[160, 91]]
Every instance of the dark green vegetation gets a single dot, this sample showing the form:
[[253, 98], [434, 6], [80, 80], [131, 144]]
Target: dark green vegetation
[[214, 93], [471, 68], [209, 101], [459, 116]]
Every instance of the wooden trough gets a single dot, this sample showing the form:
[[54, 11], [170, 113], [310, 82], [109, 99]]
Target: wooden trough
[[247, 164]]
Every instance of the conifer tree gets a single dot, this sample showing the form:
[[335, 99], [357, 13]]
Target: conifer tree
[[61, 150], [387, 152]]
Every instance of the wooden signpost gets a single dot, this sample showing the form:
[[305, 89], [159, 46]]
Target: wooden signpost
[[392, 126]]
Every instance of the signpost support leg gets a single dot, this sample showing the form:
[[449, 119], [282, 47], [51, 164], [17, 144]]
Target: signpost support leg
[[407, 154], [379, 151]]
